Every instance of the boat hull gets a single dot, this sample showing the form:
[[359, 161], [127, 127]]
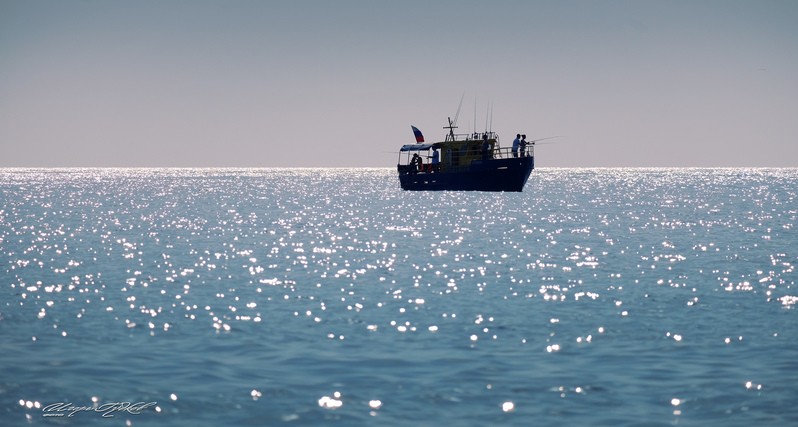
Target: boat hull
[[482, 175]]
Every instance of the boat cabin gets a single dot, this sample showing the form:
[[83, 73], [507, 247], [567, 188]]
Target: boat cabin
[[456, 153]]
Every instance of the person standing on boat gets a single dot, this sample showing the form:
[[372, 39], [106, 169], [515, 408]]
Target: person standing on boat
[[516, 143], [436, 160], [523, 145], [485, 147]]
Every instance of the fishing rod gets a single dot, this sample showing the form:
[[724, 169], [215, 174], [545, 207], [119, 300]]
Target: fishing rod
[[543, 139]]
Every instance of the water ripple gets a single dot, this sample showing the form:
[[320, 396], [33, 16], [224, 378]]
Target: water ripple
[[307, 296]]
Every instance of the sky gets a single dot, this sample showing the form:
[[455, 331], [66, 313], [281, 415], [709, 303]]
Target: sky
[[196, 83]]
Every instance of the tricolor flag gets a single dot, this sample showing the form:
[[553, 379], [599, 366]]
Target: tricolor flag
[[417, 133]]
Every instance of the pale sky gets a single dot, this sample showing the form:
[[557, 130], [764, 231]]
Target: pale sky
[[338, 83]]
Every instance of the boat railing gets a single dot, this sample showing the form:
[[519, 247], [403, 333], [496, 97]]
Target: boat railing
[[508, 153], [499, 152], [476, 136]]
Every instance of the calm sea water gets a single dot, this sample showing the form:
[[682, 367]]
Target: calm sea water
[[206, 297]]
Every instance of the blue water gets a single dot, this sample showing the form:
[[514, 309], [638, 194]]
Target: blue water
[[266, 297]]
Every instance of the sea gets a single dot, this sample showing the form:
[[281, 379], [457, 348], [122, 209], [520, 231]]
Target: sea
[[316, 297]]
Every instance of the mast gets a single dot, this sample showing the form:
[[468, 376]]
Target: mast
[[451, 128]]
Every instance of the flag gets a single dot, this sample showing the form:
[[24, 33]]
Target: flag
[[417, 133]]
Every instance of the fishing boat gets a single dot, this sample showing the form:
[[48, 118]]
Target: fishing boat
[[464, 162]]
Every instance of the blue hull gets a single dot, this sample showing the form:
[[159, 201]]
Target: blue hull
[[482, 175]]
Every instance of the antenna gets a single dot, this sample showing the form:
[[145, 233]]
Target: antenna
[[487, 111], [456, 116], [491, 117], [475, 114]]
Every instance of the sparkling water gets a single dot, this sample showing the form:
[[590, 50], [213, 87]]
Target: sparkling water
[[207, 297]]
